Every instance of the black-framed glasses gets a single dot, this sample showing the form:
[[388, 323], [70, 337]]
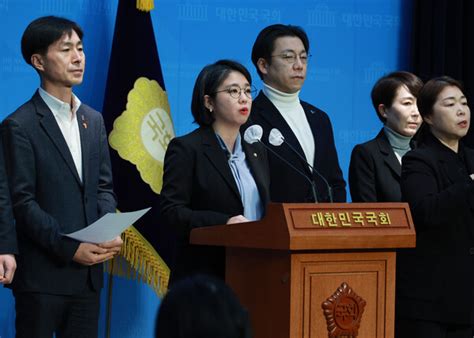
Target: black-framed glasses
[[236, 91], [290, 57]]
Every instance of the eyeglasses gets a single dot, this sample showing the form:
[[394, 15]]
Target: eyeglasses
[[236, 91], [291, 57]]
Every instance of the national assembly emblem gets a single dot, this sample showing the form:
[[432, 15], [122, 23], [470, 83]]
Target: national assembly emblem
[[143, 131]]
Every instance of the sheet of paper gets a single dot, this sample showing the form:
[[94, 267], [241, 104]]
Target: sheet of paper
[[107, 227]]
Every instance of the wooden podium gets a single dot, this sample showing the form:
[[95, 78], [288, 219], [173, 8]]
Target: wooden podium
[[316, 270]]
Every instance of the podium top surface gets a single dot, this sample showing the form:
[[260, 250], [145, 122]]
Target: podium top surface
[[323, 226]]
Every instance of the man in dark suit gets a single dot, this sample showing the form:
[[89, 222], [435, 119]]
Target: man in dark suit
[[280, 54], [60, 181], [8, 246]]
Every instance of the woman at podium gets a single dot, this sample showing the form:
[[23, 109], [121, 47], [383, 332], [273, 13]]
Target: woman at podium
[[435, 281], [375, 167], [211, 176]]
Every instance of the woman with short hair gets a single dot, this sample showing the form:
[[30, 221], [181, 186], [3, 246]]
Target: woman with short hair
[[375, 167], [211, 176]]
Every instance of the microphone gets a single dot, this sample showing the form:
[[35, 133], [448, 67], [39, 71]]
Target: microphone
[[254, 134], [276, 138]]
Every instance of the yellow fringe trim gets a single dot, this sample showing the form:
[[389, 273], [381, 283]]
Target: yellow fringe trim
[[139, 261], [145, 5]]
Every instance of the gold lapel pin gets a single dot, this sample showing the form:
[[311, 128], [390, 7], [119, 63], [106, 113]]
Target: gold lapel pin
[[84, 122]]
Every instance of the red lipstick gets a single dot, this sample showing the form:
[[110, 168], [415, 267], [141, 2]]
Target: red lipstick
[[244, 111]]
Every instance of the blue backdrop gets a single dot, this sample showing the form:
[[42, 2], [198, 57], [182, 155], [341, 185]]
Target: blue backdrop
[[353, 42]]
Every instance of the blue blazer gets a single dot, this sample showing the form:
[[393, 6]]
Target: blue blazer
[[286, 184], [49, 199]]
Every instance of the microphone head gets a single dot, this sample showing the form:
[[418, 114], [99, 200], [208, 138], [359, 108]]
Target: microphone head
[[275, 138], [253, 134]]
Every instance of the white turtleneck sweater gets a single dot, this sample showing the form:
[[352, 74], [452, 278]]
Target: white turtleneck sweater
[[292, 111]]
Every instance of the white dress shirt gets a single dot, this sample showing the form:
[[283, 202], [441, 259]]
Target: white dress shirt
[[65, 117]]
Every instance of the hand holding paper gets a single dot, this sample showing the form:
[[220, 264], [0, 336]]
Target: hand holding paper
[[90, 254], [108, 227], [112, 246]]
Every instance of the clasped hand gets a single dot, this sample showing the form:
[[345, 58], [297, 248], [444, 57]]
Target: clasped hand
[[90, 254], [7, 268]]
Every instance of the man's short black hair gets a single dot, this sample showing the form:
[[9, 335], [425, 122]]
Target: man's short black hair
[[43, 32], [265, 42]]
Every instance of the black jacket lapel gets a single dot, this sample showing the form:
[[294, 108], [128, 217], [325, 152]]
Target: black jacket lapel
[[315, 125], [259, 168], [218, 159], [82, 121], [388, 154], [50, 126]]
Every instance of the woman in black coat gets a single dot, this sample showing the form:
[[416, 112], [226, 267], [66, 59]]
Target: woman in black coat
[[435, 281], [375, 167], [211, 176]]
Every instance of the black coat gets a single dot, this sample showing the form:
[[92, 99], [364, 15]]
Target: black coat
[[7, 229], [435, 281], [374, 172], [286, 184], [200, 190], [49, 199]]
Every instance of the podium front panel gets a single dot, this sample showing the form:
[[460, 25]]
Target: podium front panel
[[315, 278]]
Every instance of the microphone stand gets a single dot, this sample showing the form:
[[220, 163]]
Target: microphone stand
[[314, 170], [311, 182]]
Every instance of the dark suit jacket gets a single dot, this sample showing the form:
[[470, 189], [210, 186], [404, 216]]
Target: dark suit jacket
[[199, 190], [286, 184], [49, 199], [435, 281], [7, 229], [374, 172]]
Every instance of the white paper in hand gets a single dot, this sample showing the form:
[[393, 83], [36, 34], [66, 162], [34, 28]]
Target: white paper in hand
[[107, 227]]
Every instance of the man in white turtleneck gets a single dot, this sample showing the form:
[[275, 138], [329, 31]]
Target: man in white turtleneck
[[280, 54]]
